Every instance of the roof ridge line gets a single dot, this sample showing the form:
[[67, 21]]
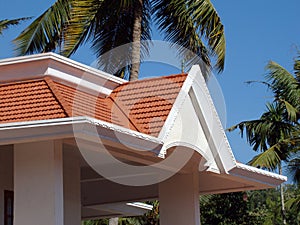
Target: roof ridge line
[[58, 96], [152, 78]]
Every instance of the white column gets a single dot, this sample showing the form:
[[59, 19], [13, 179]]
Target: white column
[[179, 200], [72, 200], [38, 183]]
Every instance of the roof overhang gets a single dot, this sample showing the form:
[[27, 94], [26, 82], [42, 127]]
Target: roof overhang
[[86, 128], [240, 177]]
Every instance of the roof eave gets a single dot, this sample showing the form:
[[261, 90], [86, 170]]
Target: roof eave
[[263, 178], [83, 127]]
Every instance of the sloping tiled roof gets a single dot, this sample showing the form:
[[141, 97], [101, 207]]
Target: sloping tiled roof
[[140, 105], [148, 102], [28, 100]]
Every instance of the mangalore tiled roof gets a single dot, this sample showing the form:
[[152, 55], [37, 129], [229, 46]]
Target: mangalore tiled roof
[[148, 102], [140, 105], [28, 100]]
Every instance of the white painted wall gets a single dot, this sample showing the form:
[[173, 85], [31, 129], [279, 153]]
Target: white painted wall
[[38, 183], [6, 175], [187, 130]]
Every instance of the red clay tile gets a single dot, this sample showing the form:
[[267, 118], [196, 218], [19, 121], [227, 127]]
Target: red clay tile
[[140, 105]]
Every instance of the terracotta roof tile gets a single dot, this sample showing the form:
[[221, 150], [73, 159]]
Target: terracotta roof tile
[[29, 100], [141, 105], [148, 102]]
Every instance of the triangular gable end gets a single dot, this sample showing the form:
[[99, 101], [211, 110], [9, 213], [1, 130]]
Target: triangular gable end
[[193, 122]]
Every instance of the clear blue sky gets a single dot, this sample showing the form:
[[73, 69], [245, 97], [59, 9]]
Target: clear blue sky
[[256, 31]]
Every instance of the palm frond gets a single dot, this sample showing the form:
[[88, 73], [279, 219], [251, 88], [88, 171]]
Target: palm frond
[[268, 159], [283, 84], [178, 27], [293, 203], [293, 168], [186, 22], [208, 21], [258, 81], [44, 33], [82, 16], [4, 24], [268, 130], [297, 67], [113, 34], [292, 112]]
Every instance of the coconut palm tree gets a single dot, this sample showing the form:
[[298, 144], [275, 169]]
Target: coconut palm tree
[[107, 24], [276, 132], [4, 24]]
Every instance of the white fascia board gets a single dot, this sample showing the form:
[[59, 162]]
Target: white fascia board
[[94, 129], [62, 69], [19, 132], [257, 175], [29, 131]]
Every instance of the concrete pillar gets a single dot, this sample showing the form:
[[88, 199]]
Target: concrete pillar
[[38, 183], [72, 200], [179, 200]]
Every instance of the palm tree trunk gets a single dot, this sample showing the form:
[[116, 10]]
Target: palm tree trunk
[[136, 41], [282, 197]]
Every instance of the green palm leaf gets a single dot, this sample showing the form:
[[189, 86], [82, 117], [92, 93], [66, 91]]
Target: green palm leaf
[[292, 112], [4, 24], [294, 203], [268, 159], [44, 33], [297, 67], [112, 32], [108, 24], [283, 84], [82, 15], [186, 22]]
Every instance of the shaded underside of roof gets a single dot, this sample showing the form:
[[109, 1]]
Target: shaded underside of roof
[[141, 105]]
